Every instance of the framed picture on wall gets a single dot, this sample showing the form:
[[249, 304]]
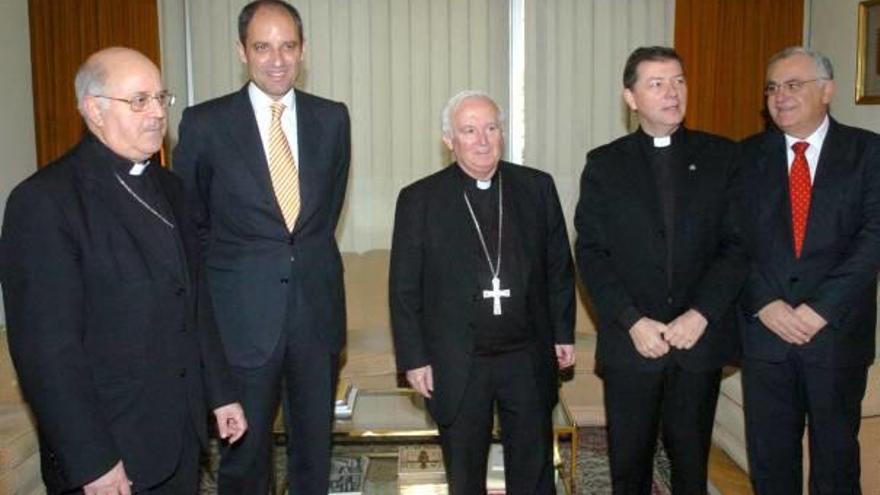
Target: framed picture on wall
[[868, 56]]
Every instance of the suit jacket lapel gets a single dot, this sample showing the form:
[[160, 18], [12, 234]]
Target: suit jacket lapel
[[636, 168], [824, 195], [774, 195], [176, 204], [458, 229], [245, 135], [100, 179], [308, 129]]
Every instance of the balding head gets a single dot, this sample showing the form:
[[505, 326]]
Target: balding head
[[102, 82]]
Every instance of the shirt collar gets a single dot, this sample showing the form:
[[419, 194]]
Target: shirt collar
[[261, 100], [815, 139]]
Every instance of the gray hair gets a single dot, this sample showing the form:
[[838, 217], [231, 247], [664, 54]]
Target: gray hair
[[824, 69], [454, 102], [90, 80]]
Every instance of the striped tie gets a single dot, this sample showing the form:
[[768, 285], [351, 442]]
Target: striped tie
[[282, 169]]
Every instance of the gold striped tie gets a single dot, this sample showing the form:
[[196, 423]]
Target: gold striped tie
[[282, 169]]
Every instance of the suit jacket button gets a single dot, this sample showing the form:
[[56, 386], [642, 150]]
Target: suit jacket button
[[182, 372], [794, 280], [180, 291], [669, 300], [284, 280]]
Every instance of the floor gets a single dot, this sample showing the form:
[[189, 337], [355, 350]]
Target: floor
[[726, 475]]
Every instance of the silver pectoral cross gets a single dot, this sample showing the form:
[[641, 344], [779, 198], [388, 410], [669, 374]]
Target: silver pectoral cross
[[496, 293]]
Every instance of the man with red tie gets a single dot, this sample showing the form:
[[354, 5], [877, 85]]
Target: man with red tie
[[812, 232]]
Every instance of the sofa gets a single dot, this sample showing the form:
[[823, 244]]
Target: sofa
[[19, 452], [729, 431], [368, 361]]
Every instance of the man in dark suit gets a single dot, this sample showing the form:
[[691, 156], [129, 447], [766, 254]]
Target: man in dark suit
[[809, 307], [482, 301], [659, 251], [266, 168], [101, 283]]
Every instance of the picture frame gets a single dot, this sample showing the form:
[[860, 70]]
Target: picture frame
[[868, 54]]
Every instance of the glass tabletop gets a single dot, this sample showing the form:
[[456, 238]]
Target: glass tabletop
[[402, 412]]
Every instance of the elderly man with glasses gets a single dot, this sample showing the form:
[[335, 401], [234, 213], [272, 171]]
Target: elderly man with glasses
[[812, 231], [109, 330]]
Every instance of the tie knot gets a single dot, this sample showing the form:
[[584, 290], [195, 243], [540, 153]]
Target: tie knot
[[277, 110], [800, 147]]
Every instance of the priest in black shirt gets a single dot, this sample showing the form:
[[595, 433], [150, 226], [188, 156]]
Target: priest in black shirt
[[482, 301], [659, 251]]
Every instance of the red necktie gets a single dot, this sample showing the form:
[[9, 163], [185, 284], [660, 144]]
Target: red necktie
[[799, 189]]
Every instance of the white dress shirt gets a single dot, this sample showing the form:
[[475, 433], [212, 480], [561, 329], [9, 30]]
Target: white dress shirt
[[262, 104], [815, 139]]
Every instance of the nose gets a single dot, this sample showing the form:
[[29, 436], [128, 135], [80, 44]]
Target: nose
[[155, 108], [276, 59]]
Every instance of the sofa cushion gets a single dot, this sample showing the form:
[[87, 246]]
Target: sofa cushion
[[9, 391], [369, 351], [366, 290], [19, 438]]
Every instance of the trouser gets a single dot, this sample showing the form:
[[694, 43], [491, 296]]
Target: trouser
[[509, 381], [679, 403]]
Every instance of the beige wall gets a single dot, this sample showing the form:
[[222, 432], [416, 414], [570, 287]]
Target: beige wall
[[17, 116], [832, 28]]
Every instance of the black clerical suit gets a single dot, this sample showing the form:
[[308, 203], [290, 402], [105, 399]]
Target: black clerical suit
[[657, 236], [440, 317], [278, 294], [836, 275], [114, 348]]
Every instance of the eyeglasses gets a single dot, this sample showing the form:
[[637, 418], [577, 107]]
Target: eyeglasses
[[140, 101], [791, 86]]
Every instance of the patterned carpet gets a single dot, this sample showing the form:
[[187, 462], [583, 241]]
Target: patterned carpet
[[592, 474]]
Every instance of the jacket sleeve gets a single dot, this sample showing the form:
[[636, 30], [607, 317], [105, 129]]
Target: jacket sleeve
[[405, 283], [722, 281], [593, 254], [560, 270], [43, 289], [857, 270], [188, 163]]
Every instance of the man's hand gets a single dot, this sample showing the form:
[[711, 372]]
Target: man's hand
[[647, 335], [113, 482], [782, 320], [685, 331], [422, 380], [565, 355], [231, 423], [813, 320]]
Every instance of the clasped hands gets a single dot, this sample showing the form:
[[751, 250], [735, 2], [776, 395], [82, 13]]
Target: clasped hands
[[654, 339], [794, 325]]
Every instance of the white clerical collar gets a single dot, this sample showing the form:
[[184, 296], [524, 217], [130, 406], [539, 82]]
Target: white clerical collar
[[137, 168], [484, 184], [662, 141], [260, 99]]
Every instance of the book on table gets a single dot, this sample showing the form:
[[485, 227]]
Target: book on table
[[420, 470], [348, 475], [346, 395]]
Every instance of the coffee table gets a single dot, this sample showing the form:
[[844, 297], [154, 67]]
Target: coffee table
[[387, 415]]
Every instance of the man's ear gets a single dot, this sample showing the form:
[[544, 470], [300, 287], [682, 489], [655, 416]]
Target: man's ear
[[92, 111], [630, 99], [828, 90], [448, 142], [242, 53]]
